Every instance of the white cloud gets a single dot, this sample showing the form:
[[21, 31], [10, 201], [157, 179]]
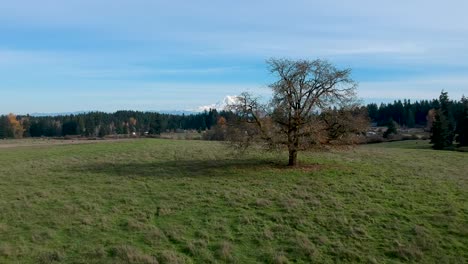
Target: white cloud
[[142, 37], [94, 65], [416, 88]]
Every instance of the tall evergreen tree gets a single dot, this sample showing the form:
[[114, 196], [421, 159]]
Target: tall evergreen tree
[[442, 133], [373, 111], [462, 125], [4, 127], [90, 127], [410, 120]]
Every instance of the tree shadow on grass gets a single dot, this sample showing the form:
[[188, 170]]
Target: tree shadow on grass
[[180, 168]]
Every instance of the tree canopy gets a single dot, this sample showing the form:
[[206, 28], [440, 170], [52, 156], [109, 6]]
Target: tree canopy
[[305, 94]]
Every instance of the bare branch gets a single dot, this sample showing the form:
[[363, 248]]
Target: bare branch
[[298, 114]]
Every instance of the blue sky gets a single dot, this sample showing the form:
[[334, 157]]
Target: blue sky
[[61, 56]]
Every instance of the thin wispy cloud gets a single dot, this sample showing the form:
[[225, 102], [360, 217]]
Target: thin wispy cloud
[[51, 48], [418, 88]]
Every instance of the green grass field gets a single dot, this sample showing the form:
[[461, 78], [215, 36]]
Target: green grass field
[[164, 201]]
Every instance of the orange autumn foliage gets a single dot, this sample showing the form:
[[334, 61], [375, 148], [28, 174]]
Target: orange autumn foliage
[[15, 126]]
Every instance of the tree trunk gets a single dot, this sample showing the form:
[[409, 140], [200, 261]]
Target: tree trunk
[[292, 157]]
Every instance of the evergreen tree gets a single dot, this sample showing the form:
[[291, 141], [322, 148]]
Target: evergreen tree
[[36, 129], [90, 127], [462, 125], [157, 126], [410, 120], [373, 111], [103, 131], [4, 127], [70, 128], [391, 128], [119, 128], [442, 133], [25, 122], [203, 126]]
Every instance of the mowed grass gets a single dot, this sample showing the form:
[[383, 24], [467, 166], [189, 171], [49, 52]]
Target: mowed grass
[[163, 201]]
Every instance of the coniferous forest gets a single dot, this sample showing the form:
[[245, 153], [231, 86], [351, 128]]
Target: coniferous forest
[[439, 116], [410, 114], [100, 124]]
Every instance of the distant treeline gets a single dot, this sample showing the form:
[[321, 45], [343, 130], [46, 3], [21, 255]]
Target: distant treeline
[[100, 124], [410, 114]]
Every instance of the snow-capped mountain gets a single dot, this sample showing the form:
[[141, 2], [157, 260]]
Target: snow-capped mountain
[[221, 105]]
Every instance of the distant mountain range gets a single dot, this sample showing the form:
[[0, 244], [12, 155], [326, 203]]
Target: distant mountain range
[[220, 105], [58, 114], [169, 112]]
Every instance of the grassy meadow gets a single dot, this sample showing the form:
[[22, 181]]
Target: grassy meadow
[[175, 201]]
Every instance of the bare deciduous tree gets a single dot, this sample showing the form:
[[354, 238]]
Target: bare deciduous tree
[[345, 125], [295, 117]]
